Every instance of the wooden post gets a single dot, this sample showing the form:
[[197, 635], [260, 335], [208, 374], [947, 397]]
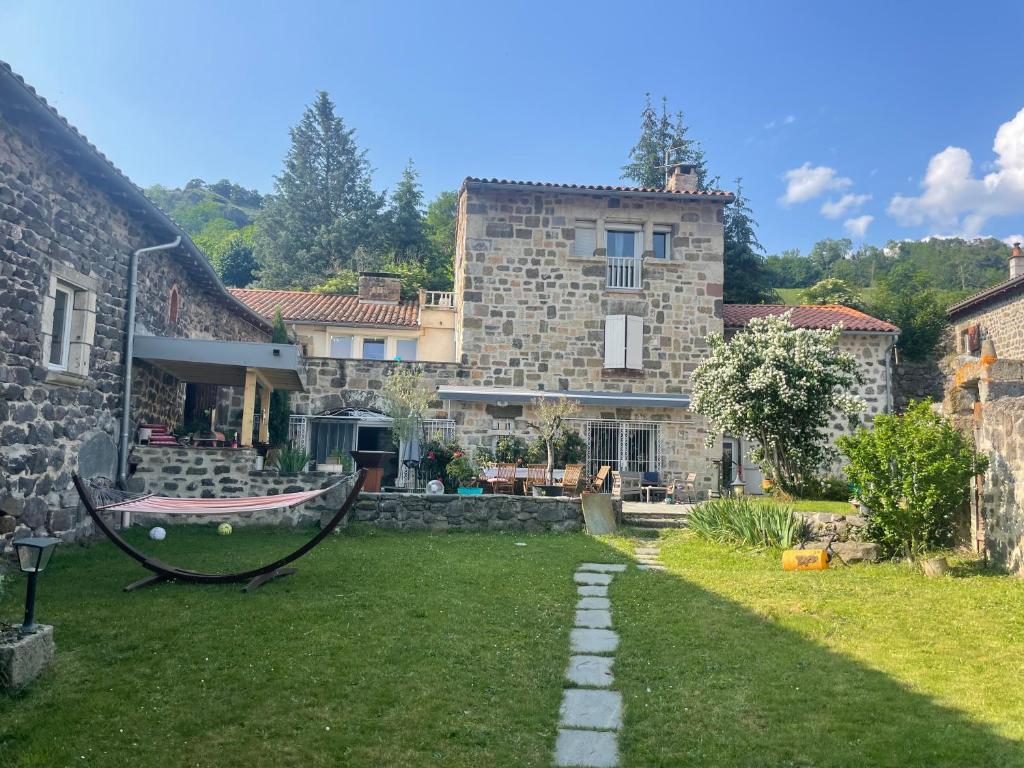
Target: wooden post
[[248, 407], [265, 393]]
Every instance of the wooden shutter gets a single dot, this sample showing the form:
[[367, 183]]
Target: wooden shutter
[[615, 341], [586, 239], [634, 347]]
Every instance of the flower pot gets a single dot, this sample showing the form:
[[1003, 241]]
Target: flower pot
[[546, 490], [935, 566], [463, 491], [766, 485], [259, 463]]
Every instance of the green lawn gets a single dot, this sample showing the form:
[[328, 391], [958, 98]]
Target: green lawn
[[421, 650], [834, 507]]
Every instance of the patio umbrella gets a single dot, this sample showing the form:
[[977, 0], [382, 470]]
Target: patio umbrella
[[411, 451]]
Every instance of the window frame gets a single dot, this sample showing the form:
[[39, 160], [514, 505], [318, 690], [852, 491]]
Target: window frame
[[330, 346], [382, 340], [632, 229], [666, 232], [65, 336], [416, 350]]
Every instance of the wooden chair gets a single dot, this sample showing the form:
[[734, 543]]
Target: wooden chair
[[536, 474], [505, 479], [571, 479], [597, 484], [626, 484]]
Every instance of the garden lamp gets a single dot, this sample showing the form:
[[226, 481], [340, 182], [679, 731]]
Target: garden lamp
[[33, 557]]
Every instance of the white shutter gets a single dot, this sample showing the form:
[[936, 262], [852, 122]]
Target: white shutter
[[634, 351], [615, 341], [586, 239]]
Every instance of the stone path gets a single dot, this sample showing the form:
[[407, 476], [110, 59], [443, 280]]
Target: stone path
[[591, 712], [648, 555]]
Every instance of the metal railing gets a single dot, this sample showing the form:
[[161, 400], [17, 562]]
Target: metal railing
[[623, 272]]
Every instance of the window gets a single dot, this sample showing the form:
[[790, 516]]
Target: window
[[623, 342], [173, 305], [661, 244], [586, 239], [405, 349], [622, 244], [341, 346], [60, 341], [374, 349]]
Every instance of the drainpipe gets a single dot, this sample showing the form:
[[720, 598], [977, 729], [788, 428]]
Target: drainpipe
[[129, 350], [889, 402]]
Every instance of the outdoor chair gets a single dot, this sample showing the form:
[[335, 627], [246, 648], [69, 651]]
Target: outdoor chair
[[651, 483], [625, 484], [505, 479], [536, 474], [571, 479], [597, 484]]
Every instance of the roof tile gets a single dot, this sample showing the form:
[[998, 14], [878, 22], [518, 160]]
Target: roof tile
[[712, 193], [329, 308], [808, 316]]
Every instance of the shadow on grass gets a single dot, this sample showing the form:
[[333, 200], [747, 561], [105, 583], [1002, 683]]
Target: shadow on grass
[[709, 682]]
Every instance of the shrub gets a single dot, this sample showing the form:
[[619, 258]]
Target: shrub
[[510, 449], [746, 521], [913, 473], [830, 488], [435, 455], [461, 471], [291, 460]]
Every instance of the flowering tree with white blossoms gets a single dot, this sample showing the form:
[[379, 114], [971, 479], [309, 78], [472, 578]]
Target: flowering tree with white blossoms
[[780, 386]]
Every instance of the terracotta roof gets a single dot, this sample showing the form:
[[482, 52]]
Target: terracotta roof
[[982, 298], [343, 309], [808, 316], [93, 165], [716, 194]]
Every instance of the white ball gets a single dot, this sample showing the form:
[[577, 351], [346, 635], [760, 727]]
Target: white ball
[[435, 487], [157, 534]]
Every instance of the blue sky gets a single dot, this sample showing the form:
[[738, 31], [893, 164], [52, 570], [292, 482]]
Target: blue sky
[[901, 112]]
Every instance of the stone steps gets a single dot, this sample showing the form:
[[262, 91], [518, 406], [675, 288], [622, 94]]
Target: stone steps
[[656, 519]]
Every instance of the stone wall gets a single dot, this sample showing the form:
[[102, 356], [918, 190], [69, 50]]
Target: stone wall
[[450, 512], [1002, 323], [210, 473], [917, 381]]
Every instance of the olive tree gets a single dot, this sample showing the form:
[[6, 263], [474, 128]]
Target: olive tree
[[779, 386], [406, 400], [551, 414]]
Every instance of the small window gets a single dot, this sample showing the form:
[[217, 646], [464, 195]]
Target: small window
[[661, 240], [586, 239], [341, 346], [622, 244], [173, 305], [374, 349], [63, 305], [405, 349]]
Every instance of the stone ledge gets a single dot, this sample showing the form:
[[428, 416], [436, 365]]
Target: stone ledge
[[23, 660]]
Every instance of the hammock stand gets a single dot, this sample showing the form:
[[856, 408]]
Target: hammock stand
[[255, 577]]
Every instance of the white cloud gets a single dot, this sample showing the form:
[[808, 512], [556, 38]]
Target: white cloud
[[807, 182], [1013, 239], [836, 209], [858, 227], [953, 198], [789, 119]]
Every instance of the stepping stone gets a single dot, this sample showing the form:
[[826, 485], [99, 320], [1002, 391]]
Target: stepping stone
[[646, 552], [594, 604], [651, 567], [599, 579], [601, 710], [603, 567], [591, 590], [595, 619], [586, 749], [591, 671], [593, 641]]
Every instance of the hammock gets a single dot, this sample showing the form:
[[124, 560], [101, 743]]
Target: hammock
[[255, 577], [153, 504]]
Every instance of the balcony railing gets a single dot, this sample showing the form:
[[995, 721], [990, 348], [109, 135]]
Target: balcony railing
[[623, 272], [438, 299]]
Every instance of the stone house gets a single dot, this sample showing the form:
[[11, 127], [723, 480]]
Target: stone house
[[70, 223], [869, 340], [985, 397]]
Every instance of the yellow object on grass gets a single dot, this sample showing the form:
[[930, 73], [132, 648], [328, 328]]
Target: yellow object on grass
[[224, 529], [804, 560]]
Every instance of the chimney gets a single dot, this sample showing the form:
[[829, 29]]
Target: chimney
[[682, 179], [1016, 262], [379, 288]]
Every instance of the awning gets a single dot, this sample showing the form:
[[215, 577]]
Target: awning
[[513, 396], [206, 361]]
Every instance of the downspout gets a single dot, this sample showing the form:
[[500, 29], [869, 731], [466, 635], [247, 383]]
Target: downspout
[[129, 351], [889, 400]]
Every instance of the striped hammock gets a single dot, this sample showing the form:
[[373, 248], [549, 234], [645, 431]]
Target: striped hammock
[[163, 505]]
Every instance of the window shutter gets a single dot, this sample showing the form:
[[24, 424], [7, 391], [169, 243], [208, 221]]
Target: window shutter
[[586, 239], [615, 341], [341, 346], [634, 347]]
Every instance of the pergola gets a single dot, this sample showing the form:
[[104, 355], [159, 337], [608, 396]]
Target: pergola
[[250, 365]]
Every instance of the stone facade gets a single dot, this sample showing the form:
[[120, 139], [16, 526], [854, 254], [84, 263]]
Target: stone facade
[[1000, 320], [68, 224], [916, 381], [450, 512]]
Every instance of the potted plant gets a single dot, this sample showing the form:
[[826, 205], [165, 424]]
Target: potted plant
[[291, 461], [464, 475]]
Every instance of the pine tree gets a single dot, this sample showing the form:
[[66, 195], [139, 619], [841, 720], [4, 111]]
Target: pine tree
[[323, 205], [280, 408], [407, 236], [664, 137], [747, 277]]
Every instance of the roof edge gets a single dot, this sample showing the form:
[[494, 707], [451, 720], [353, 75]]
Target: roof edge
[[718, 196]]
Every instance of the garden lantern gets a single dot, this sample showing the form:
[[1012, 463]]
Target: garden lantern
[[33, 557]]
